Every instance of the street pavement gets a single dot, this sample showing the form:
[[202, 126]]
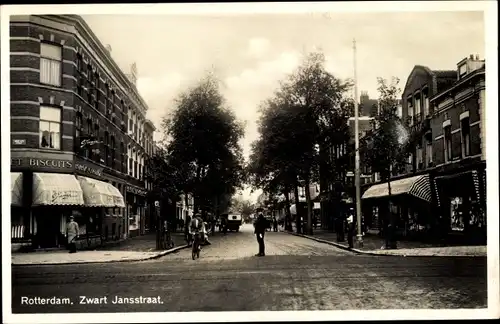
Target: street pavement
[[296, 274]]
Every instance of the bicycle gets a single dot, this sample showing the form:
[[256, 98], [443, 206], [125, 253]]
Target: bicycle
[[196, 246], [170, 241]]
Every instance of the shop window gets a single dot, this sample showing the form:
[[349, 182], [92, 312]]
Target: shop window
[[457, 219], [50, 64], [447, 144], [50, 127], [465, 131]]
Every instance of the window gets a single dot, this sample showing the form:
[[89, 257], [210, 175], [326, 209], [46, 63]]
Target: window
[[425, 102], [78, 125], [50, 127], [50, 64], [97, 156], [97, 90], [420, 157], [410, 113], [113, 161], [462, 70], [428, 153], [417, 108], [106, 148], [447, 144], [465, 130], [122, 158]]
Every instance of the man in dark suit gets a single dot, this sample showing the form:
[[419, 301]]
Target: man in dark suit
[[260, 229]]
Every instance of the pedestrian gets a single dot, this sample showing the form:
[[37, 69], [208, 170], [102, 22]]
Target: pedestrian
[[72, 231], [275, 224], [350, 228], [260, 229]]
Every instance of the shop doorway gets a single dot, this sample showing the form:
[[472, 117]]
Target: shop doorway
[[48, 227]]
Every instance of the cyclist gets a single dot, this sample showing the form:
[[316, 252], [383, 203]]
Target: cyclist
[[196, 227]]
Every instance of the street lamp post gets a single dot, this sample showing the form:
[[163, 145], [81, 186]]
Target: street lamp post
[[359, 236]]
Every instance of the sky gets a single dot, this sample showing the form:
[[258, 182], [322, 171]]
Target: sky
[[251, 53]]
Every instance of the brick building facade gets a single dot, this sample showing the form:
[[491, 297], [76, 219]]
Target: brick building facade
[[70, 130], [442, 189]]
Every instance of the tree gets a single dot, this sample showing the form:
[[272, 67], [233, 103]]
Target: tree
[[166, 180], [307, 110], [389, 146], [203, 144]]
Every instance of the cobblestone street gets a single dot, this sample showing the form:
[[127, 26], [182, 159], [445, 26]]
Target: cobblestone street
[[296, 274]]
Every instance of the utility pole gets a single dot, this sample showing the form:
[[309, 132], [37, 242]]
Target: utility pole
[[359, 236]]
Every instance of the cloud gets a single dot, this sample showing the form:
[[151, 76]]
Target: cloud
[[258, 46], [159, 94]]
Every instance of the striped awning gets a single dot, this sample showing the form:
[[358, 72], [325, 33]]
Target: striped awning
[[418, 186], [16, 188], [56, 189], [98, 193]]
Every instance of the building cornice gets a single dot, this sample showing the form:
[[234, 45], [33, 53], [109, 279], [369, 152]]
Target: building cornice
[[84, 30]]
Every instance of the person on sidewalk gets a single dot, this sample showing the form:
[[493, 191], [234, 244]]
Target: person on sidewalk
[[350, 228], [275, 224], [72, 231], [260, 229]]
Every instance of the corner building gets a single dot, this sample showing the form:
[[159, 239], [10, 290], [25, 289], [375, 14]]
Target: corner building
[[70, 130]]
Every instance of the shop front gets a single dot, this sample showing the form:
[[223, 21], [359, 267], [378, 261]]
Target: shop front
[[103, 212], [44, 194], [462, 205], [408, 201], [136, 209]]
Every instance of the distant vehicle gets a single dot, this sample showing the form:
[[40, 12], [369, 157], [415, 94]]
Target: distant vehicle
[[234, 222]]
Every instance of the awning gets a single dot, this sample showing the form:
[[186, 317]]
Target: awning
[[16, 188], [56, 189], [418, 186], [98, 193]]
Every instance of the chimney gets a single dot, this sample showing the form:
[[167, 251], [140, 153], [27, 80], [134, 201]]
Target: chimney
[[477, 57], [108, 48], [471, 56]]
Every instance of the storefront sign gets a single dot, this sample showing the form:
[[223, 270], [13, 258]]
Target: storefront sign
[[86, 167], [18, 142], [41, 163], [136, 191]]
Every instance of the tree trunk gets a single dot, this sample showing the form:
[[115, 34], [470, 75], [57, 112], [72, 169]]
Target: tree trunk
[[288, 214], [161, 239], [309, 228], [298, 224]]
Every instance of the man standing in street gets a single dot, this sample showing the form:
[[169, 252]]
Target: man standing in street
[[72, 231], [260, 230]]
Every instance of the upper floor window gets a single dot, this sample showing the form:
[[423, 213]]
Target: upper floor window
[[420, 158], [447, 144], [425, 104], [462, 70], [78, 124], [417, 107], [50, 64], [428, 153], [465, 130], [50, 127]]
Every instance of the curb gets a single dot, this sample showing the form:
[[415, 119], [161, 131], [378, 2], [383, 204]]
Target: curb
[[338, 245], [159, 255], [357, 251]]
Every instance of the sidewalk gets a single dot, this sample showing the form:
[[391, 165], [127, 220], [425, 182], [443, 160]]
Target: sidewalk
[[138, 248], [372, 246]]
